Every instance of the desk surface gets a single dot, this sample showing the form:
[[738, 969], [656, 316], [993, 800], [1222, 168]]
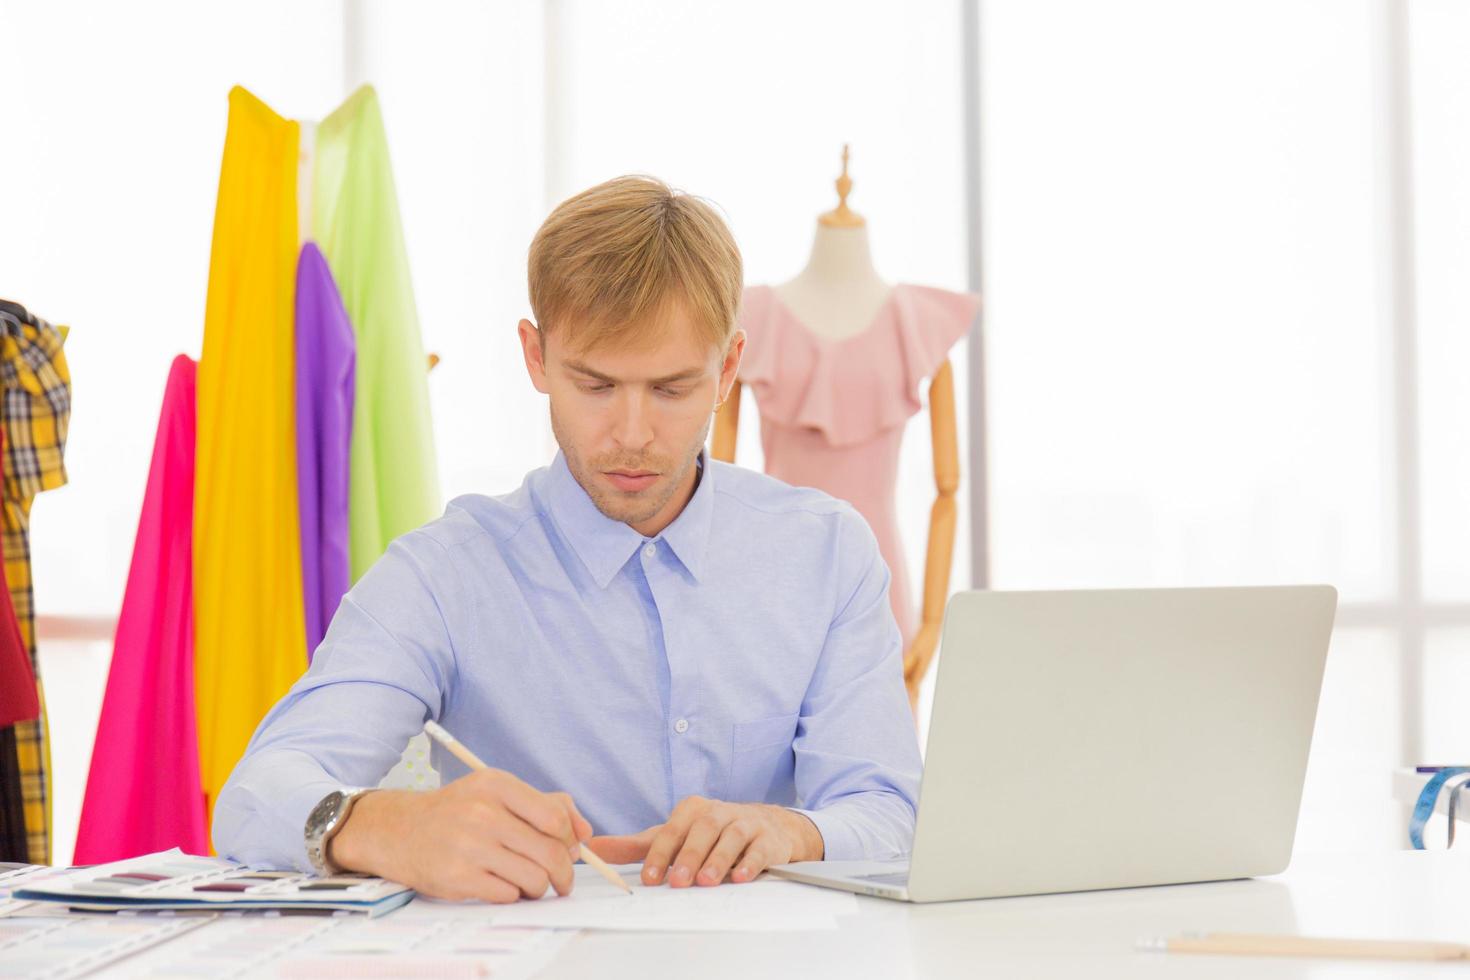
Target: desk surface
[[1392, 894], [1389, 894]]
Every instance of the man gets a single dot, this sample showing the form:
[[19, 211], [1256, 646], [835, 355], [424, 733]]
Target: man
[[700, 659]]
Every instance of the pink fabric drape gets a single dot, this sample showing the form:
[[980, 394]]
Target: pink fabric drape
[[143, 792]]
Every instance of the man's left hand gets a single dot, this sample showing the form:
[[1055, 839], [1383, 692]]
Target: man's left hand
[[704, 839]]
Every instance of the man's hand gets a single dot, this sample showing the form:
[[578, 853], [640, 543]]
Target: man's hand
[[485, 836], [704, 839]]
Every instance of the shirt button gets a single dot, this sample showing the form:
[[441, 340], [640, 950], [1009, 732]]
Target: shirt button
[[681, 726], [649, 550]]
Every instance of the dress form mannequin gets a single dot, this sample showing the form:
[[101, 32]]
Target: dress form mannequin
[[837, 295], [839, 291]]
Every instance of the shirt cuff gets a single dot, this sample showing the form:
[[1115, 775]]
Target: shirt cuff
[[249, 832], [839, 841]]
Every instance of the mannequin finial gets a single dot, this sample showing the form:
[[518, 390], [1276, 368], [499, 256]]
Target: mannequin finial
[[844, 183], [843, 216]]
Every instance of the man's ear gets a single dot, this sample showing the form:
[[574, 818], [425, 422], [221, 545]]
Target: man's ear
[[533, 353], [730, 368]]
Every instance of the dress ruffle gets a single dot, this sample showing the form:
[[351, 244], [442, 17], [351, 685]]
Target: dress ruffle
[[853, 388]]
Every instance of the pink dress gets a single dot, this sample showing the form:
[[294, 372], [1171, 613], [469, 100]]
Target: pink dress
[[833, 411]]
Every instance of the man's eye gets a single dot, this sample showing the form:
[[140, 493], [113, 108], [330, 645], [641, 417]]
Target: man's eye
[[595, 386], [668, 392]]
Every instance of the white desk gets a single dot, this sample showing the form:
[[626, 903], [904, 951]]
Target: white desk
[[1394, 894], [1391, 894]]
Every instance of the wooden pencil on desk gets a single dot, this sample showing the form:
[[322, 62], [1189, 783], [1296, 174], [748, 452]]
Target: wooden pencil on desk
[[1253, 944], [438, 733]]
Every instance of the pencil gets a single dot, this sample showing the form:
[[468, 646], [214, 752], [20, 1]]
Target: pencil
[[1253, 944], [438, 733]]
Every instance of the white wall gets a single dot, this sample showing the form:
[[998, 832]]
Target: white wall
[[1440, 80], [1193, 324], [114, 116], [1188, 379]]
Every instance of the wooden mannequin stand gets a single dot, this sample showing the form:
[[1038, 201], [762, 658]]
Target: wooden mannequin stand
[[942, 516]]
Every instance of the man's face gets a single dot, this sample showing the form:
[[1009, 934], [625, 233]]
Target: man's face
[[631, 423]]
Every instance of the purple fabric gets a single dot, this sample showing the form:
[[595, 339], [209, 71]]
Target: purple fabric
[[326, 357]]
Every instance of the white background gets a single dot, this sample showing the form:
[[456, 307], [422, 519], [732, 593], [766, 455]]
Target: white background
[[1188, 364]]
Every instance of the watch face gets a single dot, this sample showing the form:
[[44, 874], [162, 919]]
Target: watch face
[[323, 813]]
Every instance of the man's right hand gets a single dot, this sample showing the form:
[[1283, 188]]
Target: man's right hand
[[485, 836]]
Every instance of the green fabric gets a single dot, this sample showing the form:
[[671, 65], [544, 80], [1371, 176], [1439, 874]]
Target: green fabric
[[394, 484]]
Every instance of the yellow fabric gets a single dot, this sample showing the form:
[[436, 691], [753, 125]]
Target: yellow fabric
[[32, 738], [33, 758], [37, 411], [249, 623]]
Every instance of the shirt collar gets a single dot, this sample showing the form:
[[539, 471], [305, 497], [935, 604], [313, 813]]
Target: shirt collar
[[605, 545], [688, 535]]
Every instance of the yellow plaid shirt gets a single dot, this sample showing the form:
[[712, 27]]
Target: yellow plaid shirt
[[35, 411]]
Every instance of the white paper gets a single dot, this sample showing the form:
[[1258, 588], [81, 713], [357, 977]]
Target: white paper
[[264, 945], [764, 905], [61, 948]]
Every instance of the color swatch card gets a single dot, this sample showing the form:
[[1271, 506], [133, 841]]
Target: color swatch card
[[13, 876], [175, 880]]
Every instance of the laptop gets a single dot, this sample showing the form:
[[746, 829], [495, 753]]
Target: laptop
[[1109, 739]]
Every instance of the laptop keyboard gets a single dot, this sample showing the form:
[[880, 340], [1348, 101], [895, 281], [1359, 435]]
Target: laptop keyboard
[[887, 878]]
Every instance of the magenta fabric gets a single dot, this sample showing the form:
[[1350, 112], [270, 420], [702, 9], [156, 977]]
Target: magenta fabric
[[326, 355], [833, 410], [143, 791], [18, 698]]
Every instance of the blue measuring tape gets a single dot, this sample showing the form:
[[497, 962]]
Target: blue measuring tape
[[1424, 806]]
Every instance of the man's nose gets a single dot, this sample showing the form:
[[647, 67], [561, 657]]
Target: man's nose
[[633, 428]]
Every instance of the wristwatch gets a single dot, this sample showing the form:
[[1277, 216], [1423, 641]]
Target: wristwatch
[[325, 819]]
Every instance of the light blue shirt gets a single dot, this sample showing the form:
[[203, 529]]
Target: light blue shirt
[[748, 653]]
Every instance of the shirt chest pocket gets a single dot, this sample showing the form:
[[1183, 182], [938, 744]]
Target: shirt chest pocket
[[762, 764]]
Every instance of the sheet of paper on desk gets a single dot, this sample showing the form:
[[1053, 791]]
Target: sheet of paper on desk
[[764, 905], [61, 948], [268, 945]]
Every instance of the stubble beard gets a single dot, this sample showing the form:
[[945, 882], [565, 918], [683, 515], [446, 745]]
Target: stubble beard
[[629, 508]]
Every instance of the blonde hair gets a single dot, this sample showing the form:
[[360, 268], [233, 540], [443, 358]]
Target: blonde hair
[[608, 265]]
